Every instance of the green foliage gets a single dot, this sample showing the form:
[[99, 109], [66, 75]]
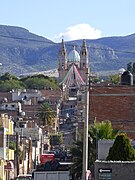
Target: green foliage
[[39, 82], [114, 79], [8, 85], [12, 145], [104, 130], [8, 76], [45, 114], [100, 130], [77, 153], [121, 149], [95, 80], [56, 139], [9, 82]]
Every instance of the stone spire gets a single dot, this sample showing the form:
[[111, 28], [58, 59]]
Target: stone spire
[[84, 56], [62, 56]]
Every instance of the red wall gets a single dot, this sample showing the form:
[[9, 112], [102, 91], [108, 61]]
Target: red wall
[[116, 103]]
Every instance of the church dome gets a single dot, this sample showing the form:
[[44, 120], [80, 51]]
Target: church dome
[[73, 56]]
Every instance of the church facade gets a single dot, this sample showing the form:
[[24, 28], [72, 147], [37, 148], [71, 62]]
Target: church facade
[[73, 58], [73, 68]]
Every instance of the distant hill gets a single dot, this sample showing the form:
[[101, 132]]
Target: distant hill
[[24, 52]]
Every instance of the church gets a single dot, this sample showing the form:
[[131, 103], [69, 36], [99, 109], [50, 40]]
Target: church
[[72, 69]]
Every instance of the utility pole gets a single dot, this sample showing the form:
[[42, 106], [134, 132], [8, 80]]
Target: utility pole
[[29, 164], [17, 158], [23, 154], [85, 135], [30, 155], [35, 158]]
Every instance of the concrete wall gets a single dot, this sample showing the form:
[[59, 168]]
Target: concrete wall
[[103, 148], [120, 170]]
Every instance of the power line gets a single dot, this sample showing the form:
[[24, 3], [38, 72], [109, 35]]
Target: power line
[[21, 38], [68, 44], [120, 51]]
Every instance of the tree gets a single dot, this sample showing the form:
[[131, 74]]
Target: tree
[[8, 85], [45, 114], [12, 145], [9, 82], [129, 67], [39, 82], [100, 130], [121, 149], [104, 130], [114, 79], [8, 76], [77, 153], [56, 139], [133, 68]]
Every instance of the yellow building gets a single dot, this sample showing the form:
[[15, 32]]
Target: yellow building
[[6, 154]]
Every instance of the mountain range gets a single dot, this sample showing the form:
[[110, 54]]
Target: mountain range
[[24, 52]]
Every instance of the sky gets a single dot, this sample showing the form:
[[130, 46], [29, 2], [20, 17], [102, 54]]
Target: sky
[[70, 19]]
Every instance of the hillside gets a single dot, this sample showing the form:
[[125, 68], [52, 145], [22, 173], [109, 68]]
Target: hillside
[[23, 52]]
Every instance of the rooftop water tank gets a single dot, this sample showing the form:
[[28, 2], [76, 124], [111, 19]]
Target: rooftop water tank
[[127, 78]]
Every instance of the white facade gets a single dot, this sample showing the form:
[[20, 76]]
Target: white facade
[[25, 95], [35, 133], [10, 106]]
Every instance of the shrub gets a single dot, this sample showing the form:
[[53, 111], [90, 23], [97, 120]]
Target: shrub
[[121, 149]]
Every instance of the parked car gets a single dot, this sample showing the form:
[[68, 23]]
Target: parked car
[[24, 177]]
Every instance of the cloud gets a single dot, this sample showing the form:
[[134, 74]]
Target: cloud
[[79, 31]]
